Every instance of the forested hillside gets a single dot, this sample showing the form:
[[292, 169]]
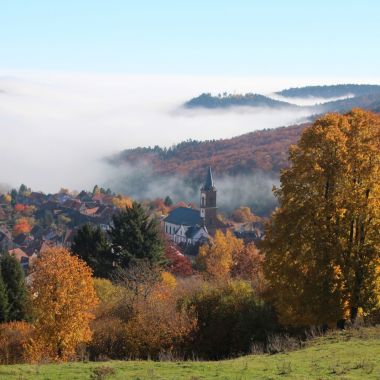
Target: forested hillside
[[260, 151], [355, 95], [230, 100], [332, 91]]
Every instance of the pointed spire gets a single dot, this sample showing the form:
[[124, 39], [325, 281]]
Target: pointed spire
[[209, 184]]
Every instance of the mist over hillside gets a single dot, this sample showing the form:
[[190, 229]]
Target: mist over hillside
[[330, 91], [59, 128], [254, 158], [331, 98]]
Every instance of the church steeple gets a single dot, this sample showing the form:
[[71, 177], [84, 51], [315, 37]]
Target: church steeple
[[208, 202], [209, 183]]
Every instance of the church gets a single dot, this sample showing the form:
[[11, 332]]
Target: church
[[191, 226]]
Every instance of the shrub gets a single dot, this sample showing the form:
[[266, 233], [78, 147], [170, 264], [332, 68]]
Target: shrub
[[102, 372], [108, 339], [229, 319], [14, 339]]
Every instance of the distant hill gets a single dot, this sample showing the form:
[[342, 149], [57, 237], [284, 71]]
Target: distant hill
[[332, 91], [358, 95], [260, 151], [370, 102], [229, 100], [263, 151]]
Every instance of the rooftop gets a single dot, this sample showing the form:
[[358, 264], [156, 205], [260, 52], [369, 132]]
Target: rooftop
[[185, 216]]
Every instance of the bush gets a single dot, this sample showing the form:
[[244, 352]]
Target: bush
[[108, 339], [142, 325], [14, 339], [229, 319]]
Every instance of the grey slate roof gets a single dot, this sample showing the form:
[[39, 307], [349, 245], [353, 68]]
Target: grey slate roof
[[185, 216], [192, 231]]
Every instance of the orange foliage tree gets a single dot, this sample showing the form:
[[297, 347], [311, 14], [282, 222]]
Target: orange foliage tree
[[20, 207], [248, 265], [22, 226], [227, 256], [63, 299]]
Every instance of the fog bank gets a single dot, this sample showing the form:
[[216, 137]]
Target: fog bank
[[57, 127]]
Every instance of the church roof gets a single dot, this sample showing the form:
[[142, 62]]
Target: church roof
[[209, 183], [193, 230], [185, 216]]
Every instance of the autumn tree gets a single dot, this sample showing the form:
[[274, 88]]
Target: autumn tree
[[91, 245], [216, 257], [323, 244], [243, 214], [248, 265], [63, 301], [17, 295], [178, 263], [121, 201], [136, 236], [22, 226]]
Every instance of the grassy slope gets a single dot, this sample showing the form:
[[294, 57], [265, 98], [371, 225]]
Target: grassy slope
[[346, 355]]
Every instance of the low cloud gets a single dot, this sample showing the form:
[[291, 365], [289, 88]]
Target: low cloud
[[57, 127], [140, 182]]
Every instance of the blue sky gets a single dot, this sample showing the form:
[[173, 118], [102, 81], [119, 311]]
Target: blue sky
[[197, 37]]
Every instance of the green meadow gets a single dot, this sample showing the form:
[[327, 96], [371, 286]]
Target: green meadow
[[353, 354]]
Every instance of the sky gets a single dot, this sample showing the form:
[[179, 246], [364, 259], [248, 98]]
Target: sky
[[193, 37], [81, 80]]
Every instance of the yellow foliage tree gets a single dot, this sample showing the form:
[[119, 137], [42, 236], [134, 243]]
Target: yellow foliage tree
[[323, 243], [217, 256], [122, 202], [64, 299], [244, 214]]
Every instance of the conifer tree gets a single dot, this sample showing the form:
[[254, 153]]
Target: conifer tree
[[14, 280], [91, 245], [4, 306], [136, 236]]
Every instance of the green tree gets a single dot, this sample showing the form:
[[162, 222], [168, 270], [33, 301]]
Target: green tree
[[91, 245], [4, 305], [135, 236], [23, 189], [322, 245], [96, 190], [14, 280], [168, 201]]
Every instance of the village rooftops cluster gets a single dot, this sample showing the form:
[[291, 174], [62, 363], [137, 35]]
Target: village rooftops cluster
[[56, 218]]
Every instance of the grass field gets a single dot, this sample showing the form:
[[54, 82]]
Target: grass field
[[353, 354]]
